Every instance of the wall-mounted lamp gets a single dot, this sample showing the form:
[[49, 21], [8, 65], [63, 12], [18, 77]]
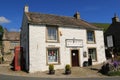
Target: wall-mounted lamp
[[60, 33]]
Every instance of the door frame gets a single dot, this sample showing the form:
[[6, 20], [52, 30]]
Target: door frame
[[77, 56]]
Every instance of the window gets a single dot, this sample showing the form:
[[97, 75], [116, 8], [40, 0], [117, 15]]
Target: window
[[53, 55], [92, 53], [12, 50], [52, 34], [14, 43], [90, 37]]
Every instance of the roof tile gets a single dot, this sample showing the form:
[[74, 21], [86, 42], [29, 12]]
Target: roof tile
[[49, 19]]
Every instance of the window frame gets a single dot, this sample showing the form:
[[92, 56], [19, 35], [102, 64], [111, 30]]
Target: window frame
[[94, 40], [14, 43], [58, 55], [94, 55], [57, 34]]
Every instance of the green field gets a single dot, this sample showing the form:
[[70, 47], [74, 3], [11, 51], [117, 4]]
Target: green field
[[102, 25]]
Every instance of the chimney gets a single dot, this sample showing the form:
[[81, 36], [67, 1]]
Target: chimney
[[5, 30], [115, 19], [26, 8], [77, 15]]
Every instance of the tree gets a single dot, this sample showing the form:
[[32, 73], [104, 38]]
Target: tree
[[1, 34]]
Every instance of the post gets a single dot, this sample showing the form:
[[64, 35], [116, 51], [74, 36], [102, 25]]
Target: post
[[90, 61]]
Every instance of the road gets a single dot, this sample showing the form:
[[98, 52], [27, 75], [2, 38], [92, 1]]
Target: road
[[7, 77]]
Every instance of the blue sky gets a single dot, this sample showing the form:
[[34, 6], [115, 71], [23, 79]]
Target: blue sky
[[100, 11]]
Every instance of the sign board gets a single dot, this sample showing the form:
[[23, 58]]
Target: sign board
[[74, 43], [110, 41]]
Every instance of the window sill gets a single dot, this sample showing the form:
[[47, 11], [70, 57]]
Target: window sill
[[52, 41], [90, 42], [94, 60], [53, 63]]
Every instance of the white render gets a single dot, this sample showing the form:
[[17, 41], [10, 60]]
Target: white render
[[38, 45], [33, 41]]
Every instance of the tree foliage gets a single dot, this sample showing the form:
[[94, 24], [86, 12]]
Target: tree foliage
[[104, 26], [1, 34]]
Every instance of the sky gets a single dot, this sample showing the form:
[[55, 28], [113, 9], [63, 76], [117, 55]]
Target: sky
[[93, 11]]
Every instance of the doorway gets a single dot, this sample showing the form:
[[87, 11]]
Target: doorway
[[75, 58]]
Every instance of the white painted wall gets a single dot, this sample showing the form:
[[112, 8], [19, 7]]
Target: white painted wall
[[38, 45]]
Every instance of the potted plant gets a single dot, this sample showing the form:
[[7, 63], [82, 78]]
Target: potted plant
[[67, 69], [51, 69]]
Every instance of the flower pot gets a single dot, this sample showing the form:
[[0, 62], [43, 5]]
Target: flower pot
[[68, 72], [67, 69], [51, 71]]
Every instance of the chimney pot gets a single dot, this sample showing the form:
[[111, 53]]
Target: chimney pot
[[77, 15], [115, 18], [26, 8]]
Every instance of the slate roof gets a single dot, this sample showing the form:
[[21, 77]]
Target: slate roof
[[50, 19], [114, 28], [12, 36]]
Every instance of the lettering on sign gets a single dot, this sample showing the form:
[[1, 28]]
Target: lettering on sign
[[74, 43]]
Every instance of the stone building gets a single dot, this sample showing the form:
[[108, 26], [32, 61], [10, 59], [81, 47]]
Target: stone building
[[59, 40], [10, 40], [112, 36]]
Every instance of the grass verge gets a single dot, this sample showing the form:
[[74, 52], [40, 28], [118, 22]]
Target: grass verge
[[115, 73]]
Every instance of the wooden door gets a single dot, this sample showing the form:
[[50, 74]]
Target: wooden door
[[75, 57]]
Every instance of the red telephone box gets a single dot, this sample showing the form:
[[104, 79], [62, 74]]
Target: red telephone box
[[17, 58]]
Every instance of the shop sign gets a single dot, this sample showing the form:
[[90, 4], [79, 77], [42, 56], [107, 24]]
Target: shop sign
[[74, 43]]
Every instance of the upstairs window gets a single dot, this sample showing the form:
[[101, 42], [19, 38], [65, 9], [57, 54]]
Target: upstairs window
[[52, 34], [90, 37]]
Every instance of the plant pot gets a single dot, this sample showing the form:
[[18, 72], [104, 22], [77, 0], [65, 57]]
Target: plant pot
[[68, 72], [51, 71]]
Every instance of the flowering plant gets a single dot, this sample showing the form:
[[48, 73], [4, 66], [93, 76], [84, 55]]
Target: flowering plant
[[115, 64]]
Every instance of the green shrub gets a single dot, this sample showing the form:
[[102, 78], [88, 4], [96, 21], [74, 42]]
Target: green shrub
[[51, 67], [67, 67]]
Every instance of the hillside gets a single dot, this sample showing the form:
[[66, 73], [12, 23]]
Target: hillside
[[102, 25]]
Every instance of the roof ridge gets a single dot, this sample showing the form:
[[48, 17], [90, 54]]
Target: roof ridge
[[53, 19], [52, 14]]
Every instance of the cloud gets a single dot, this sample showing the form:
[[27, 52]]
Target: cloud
[[4, 20]]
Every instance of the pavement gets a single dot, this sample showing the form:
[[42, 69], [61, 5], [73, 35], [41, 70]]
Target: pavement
[[76, 72]]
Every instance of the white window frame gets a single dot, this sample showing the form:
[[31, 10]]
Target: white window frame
[[95, 54], [89, 36], [53, 56], [51, 34]]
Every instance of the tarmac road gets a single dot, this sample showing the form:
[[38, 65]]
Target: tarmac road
[[8, 77]]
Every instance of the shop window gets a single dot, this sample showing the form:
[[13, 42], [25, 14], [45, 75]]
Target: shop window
[[53, 56]]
